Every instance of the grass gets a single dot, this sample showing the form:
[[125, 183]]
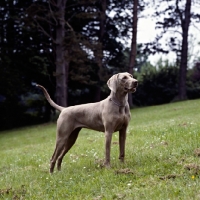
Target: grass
[[162, 160]]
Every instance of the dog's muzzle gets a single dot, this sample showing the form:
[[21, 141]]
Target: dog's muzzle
[[135, 84], [132, 87]]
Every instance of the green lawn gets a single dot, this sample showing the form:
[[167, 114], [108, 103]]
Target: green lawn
[[162, 160]]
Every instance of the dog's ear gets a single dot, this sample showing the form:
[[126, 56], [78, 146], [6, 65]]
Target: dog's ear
[[113, 83]]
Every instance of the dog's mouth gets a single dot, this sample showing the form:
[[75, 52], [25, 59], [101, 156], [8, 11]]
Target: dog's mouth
[[133, 89]]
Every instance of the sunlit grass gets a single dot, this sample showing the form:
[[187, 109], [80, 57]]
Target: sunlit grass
[[162, 160]]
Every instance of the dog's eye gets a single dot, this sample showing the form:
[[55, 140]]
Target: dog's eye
[[125, 77]]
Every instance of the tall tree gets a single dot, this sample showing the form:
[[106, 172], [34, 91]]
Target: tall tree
[[23, 61], [62, 64], [49, 18], [185, 22], [133, 52], [175, 17], [101, 6]]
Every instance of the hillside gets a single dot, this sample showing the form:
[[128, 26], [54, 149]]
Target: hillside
[[162, 159]]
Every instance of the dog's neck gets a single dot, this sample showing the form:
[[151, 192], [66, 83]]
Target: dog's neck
[[119, 99]]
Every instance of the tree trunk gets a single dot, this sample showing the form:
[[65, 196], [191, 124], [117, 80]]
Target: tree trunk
[[185, 22], [133, 52], [99, 50], [61, 64], [66, 74]]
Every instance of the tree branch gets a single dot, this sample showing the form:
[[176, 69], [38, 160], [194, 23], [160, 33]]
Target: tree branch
[[69, 26], [43, 31], [179, 12], [44, 19], [52, 12]]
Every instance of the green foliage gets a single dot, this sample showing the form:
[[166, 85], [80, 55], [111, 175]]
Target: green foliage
[[161, 162], [157, 85], [27, 56], [23, 61], [193, 82]]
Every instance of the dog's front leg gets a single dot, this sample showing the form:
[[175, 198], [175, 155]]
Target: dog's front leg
[[108, 138], [122, 140]]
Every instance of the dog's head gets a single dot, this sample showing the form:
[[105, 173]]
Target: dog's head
[[122, 81]]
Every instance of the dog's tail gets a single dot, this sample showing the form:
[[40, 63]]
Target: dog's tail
[[52, 103]]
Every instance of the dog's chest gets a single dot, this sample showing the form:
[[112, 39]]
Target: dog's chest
[[123, 118], [124, 113]]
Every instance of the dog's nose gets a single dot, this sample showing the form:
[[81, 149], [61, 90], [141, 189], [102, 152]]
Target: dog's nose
[[135, 83]]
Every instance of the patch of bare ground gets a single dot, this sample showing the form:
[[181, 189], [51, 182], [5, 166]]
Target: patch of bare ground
[[119, 196], [124, 171], [193, 167], [98, 198], [100, 162], [197, 152], [169, 176], [17, 194], [5, 191], [162, 143], [115, 143]]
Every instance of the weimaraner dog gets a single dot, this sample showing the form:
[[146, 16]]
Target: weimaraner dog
[[109, 115]]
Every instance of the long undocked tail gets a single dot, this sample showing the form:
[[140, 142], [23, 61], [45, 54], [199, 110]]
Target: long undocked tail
[[52, 103]]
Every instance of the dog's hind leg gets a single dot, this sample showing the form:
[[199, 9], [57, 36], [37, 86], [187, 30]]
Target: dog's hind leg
[[60, 143], [69, 143]]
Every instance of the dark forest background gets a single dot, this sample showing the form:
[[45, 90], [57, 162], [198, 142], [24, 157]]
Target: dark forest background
[[72, 47]]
